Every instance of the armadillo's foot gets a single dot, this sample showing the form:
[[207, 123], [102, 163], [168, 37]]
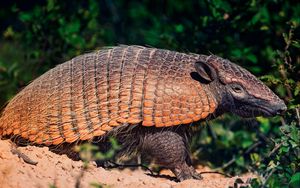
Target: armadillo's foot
[[169, 149], [185, 172]]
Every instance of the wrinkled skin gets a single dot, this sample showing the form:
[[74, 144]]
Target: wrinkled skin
[[239, 91]]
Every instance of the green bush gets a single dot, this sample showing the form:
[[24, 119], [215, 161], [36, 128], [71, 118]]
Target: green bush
[[262, 36]]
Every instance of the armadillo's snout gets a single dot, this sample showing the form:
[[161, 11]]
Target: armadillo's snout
[[280, 108]]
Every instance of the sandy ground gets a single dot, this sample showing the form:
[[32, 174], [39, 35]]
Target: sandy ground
[[59, 170]]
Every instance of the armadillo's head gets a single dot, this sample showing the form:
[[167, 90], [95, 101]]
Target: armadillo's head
[[237, 90]]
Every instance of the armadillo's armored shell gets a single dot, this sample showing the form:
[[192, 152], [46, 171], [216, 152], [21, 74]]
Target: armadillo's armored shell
[[93, 93]]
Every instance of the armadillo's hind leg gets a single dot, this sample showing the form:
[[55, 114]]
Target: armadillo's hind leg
[[170, 150]]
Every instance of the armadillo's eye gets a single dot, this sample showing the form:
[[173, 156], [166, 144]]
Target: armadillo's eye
[[237, 88]]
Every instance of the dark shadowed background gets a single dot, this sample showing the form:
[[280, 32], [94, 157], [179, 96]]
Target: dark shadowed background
[[262, 36]]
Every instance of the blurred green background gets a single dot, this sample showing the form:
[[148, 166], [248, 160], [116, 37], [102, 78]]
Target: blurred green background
[[262, 36]]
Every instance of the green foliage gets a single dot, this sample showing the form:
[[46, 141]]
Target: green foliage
[[262, 36], [96, 185], [89, 152], [52, 186], [242, 148], [295, 180]]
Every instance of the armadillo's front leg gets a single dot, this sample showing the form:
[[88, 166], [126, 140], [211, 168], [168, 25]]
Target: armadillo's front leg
[[184, 172], [169, 149]]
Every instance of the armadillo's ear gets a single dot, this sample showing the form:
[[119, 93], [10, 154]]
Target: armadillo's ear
[[206, 71]]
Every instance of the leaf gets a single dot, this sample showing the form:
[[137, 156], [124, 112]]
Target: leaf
[[50, 5], [296, 44], [265, 124], [96, 185], [247, 143], [252, 58], [295, 180], [25, 17], [264, 28], [295, 133], [285, 37], [284, 149], [271, 79], [240, 161], [179, 28], [297, 89], [255, 157], [9, 32]]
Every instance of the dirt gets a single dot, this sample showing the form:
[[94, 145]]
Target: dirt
[[60, 171]]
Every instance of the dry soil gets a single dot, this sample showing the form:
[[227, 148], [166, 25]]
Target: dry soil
[[60, 171]]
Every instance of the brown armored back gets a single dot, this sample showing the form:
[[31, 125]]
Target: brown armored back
[[93, 93]]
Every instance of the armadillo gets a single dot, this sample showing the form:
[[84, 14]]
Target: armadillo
[[153, 92]]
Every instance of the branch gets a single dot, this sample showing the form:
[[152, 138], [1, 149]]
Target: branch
[[211, 132], [80, 176], [25, 158], [265, 180], [227, 164], [277, 146], [282, 72], [252, 147], [298, 115]]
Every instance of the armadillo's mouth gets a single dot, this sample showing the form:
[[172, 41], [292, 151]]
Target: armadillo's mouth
[[254, 111], [264, 111]]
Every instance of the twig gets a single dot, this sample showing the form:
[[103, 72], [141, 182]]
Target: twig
[[25, 158], [298, 115], [277, 146], [211, 132], [253, 146], [287, 61], [287, 58], [261, 136], [227, 164], [275, 149], [265, 180], [114, 12], [282, 121], [284, 76], [80, 176]]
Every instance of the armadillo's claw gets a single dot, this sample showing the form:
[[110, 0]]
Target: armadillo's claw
[[25, 158], [186, 172], [197, 176]]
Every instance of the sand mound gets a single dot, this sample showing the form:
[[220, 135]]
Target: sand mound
[[59, 170]]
